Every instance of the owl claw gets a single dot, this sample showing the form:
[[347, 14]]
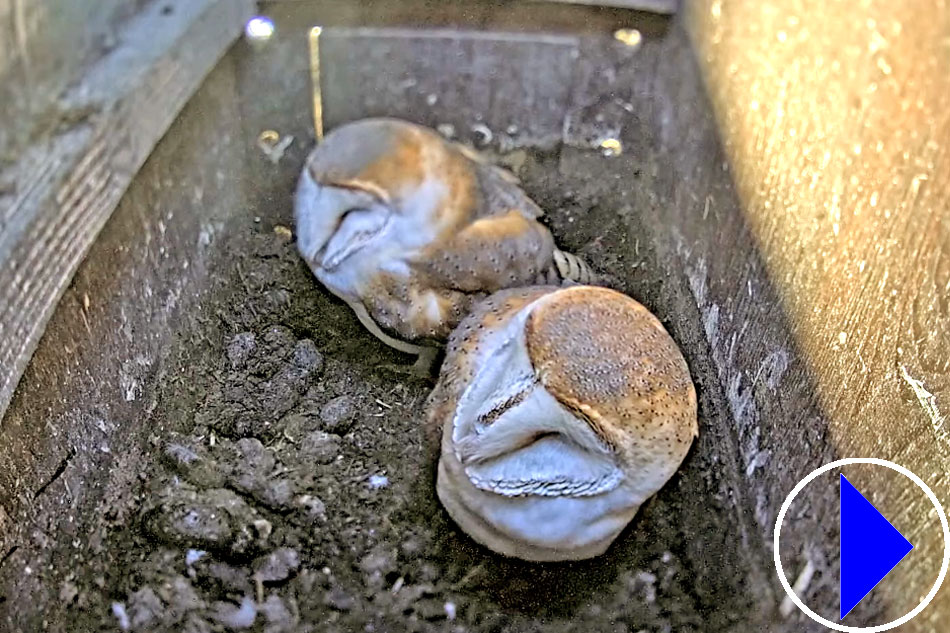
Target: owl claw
[[425, 368]]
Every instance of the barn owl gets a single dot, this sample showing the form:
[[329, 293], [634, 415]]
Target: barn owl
[[561, 411], [409, 229]]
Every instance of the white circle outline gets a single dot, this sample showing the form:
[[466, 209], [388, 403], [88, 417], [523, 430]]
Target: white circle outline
[[847, 462]]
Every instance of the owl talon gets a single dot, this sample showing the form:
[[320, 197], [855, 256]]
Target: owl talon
[[425, 367]]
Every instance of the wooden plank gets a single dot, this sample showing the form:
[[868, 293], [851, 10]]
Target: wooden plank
[[517, 16], [488, 83], [835, 122], [665, 7], [74, 434], [33, 73], [68, 184]]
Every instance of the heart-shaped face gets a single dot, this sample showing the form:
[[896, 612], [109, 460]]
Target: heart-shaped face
[[365, 200], [561, 416], [334, 222]]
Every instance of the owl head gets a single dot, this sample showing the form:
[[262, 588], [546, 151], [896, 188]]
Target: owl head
[[562, 410], [361, 176]]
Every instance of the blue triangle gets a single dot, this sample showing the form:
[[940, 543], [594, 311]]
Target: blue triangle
[[870, 547]]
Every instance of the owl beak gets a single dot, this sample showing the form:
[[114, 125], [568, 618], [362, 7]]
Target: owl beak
[[354, 231], [319, 259]]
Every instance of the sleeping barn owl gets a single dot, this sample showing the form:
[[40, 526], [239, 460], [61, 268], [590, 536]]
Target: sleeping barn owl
[[561, 411], [409, 229]]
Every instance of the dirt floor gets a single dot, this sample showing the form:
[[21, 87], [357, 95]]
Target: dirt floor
[[291, 488]]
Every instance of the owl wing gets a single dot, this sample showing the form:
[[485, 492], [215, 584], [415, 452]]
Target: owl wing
[[491, 253], [500, 192], [479, 159]]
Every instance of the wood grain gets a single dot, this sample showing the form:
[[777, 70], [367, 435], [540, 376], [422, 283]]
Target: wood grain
[[655, 6], [33, 73], [74, 434], [494, 74], [68, 183], [835, 122], [511, 16]]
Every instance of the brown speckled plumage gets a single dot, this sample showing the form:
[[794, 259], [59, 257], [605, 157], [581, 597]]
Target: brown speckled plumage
[[599, 352], [620, 370]]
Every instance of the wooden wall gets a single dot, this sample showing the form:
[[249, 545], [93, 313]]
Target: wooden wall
[[835, 119], [72, 151], [72, 450], [33, 74]]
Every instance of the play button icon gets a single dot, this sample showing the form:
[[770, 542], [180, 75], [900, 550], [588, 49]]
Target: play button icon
[[870, 547]]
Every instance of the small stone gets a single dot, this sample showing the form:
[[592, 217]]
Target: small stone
[[215, 519], [276, 612], [378, 482], [278, 337], [180, 595], [319, 447], [235, 617], [240, 348], [337, 414], [192, 556], [307, 357], [68, 592], [279, 395], [145, 608], [644, 583], [263, 528], [295, 426], [195, 623], [276, 493], [431, 609], [118, 610], [191, 461], [376, 565], [201, 522], [313, 508], [254, 456], [253, 474], [277, 566], [231, 579], [339, 600]]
